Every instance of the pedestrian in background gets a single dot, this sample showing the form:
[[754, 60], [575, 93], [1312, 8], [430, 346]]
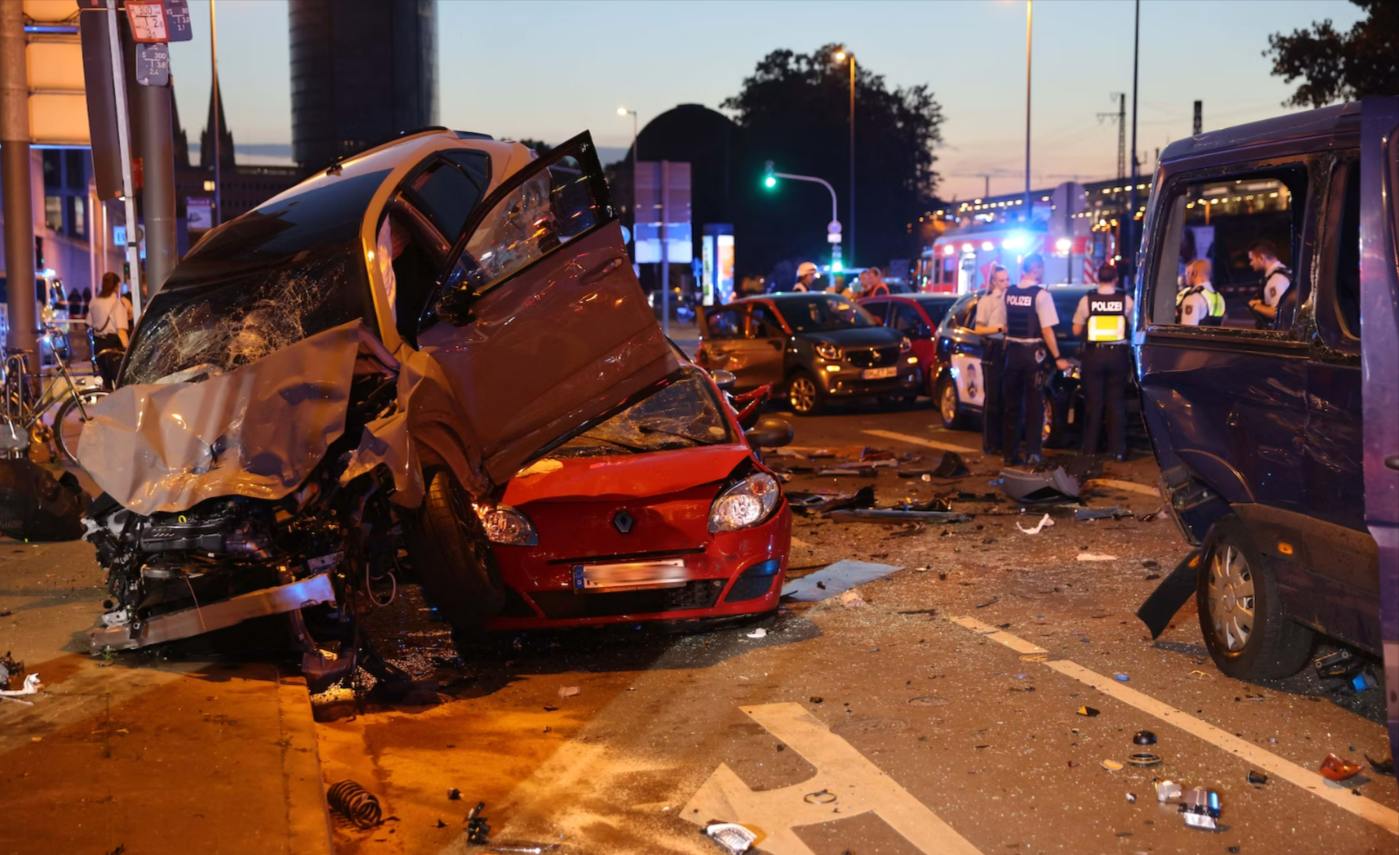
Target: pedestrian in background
[[1199, 304], [108, 319], [876, 286], [1277, 281], [990, 324], [806, 274], [1107, 361], [1030, 322]]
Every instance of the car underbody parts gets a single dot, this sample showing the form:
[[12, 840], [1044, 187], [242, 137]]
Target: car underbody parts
[[1173, 592], [355, 803], [817, 503], [894, 516], [478, 830], [1341, 663], [951, 466], [1029, 488], [1194, 505]]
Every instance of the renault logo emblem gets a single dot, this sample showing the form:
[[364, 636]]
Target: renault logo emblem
[[623, 521]]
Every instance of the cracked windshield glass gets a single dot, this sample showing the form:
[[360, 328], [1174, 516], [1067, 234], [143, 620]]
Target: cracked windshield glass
[[682, 415]]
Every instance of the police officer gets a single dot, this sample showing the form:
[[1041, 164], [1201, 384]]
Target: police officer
[[1199, 304], [1107, 361], [806, 274], [1277, 279], [990, 324], [1030, 321]]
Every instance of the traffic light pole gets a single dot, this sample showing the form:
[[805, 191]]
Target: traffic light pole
[[835, 211], [14, 157], [133, 246]]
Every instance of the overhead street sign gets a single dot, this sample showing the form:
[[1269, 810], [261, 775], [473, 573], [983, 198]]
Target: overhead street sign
[[147, 19]]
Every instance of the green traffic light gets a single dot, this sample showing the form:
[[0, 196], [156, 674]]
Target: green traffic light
[[769, 182]]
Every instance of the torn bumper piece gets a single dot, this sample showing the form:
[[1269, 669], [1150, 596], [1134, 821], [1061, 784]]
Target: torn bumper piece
[[1035, 487], [185, 623]]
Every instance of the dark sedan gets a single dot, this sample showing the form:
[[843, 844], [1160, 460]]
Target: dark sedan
[[818, 347]]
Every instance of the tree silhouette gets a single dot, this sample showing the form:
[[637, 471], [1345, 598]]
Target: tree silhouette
[[1341, 66]]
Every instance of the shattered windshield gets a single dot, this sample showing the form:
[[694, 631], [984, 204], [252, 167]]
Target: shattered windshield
[[824, 312], [285, 271], [684, 414]]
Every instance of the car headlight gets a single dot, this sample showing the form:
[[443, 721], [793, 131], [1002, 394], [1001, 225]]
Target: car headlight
[[905, 345], [504, 524], [745, 504], [826, 350]]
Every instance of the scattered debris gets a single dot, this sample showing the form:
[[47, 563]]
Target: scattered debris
[[520, 848], [1201, 808], [1363, 681], [1120, 677], [1030, 488], [1167, 790], [834, 579], [909, 529], [990, 602], [851, 599], [355, 803], [31, 686], [818, 503], [1090, 712], [568, 691], [758, 633], [478, 830], [1116, 512], [1173, 592], [1144, 759], [10, 670], [1095, 556], [1111, 765], [454, 795], [951, 466], [1144, 737], [1131, 798], [1045, 521], [1383, 767], [1334, 768], [816, 699], [734, 838], [1257, 778], [870, 515], [1342, 663], [820, 797]]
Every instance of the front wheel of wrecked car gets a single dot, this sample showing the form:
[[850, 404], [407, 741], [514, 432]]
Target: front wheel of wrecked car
[[452, 556], [1240, 607]]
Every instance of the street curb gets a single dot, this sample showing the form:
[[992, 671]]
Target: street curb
[[308, 817]]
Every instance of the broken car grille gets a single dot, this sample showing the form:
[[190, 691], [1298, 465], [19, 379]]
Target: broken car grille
[[872, 357]]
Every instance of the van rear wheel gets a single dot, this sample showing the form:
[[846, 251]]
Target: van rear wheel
[[1240, 607], [452, 556]]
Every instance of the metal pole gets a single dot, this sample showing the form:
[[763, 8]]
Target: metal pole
[[158, 189], [852, 160], [133, 245], [1129, 252], [214, 109], [1029, 20], [665, 247], [14, 174]]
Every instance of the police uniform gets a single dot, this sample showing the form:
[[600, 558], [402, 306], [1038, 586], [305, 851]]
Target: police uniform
[[1208, 311], [991, 312], [1107, 363], [1028, 310], [1276, 284]]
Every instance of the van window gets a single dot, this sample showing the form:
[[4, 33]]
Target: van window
[[1218, 221], [1347, 286]]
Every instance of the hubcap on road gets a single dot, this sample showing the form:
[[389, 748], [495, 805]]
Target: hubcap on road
[[1231, 599], [803, 395]]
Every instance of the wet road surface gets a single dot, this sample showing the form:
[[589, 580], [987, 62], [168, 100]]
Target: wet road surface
[[939, 717]]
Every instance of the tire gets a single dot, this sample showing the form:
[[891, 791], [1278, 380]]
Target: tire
[[1054, 431], [452, 556], [949, 404], [68, 422], [803, 394], [1240, 607]]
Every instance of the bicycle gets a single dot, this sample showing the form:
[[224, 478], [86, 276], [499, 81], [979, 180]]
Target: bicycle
[[25, 399]]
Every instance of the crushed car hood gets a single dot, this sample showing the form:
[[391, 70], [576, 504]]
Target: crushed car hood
[[628, 476], [257, 431]]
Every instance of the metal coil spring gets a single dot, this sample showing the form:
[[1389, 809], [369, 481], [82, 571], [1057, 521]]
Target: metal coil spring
[[355, 803]]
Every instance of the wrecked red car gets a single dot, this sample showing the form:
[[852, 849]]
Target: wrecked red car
[[663, 512], [322, 389]]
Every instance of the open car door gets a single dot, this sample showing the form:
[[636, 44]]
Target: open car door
[[1379, 343], [540, 323]]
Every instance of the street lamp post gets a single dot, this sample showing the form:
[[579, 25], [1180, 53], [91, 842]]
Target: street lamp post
[[1129, 252], [841, 56], [218, 132], [833, 230], [1029, 20], [624, 112]]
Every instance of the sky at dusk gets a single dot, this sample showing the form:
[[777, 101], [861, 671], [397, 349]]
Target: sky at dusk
[[547, 70]]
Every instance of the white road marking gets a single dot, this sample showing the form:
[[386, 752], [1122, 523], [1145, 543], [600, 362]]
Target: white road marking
[[916, 440], [1365, 808], [858, 785], [1123, 485]]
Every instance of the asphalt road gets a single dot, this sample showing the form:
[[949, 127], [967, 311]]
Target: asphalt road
[[939, 717]]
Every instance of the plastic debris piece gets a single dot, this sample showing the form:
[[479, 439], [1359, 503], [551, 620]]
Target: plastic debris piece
[[893, 515], [32, 685], [1257, 778], [1090, 514], [820, 797], [1167, 790], [758, 633], [454, 794], [840, 576], [1087, 711], [1342, 663], [1131, 798], [1111, 765], [1144, 737], [733, 838], [568, 691], [851, 599], [1334, 768], [1201, 808], [951, 466], [1173, 592], [817, 503], [1363, 681], [1035, 487], [1045, 521], [816, 699], [478, 830], [1383, 767], [1095, 556], [1120, 677], [990, 602], [1144, 759]]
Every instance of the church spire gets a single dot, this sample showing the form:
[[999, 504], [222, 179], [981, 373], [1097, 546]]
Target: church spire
[[206, 139]]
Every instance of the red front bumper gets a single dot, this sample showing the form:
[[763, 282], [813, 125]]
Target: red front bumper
[[540, 579]]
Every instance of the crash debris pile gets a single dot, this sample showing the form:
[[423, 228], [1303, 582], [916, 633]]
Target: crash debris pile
[[36, 506]]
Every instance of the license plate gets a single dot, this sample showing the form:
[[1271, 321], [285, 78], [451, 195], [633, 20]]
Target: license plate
[[630, 575], [880, 373]]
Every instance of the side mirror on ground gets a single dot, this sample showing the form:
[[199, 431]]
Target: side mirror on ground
[[725, 380], [770, 432]]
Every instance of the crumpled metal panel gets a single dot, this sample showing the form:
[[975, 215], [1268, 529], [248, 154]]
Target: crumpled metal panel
[[257, 431]]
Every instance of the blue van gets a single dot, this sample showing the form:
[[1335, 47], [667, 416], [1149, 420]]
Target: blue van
[[1278, 440]]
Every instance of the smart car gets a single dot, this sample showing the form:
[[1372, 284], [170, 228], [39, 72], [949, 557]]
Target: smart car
[[325, 385], [818, 347]]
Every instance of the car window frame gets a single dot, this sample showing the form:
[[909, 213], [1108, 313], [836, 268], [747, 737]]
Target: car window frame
[[920, 320], [740, 312], [1330, 320], [752, 315], [883, 302], [1303, 249], [420, 202]]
